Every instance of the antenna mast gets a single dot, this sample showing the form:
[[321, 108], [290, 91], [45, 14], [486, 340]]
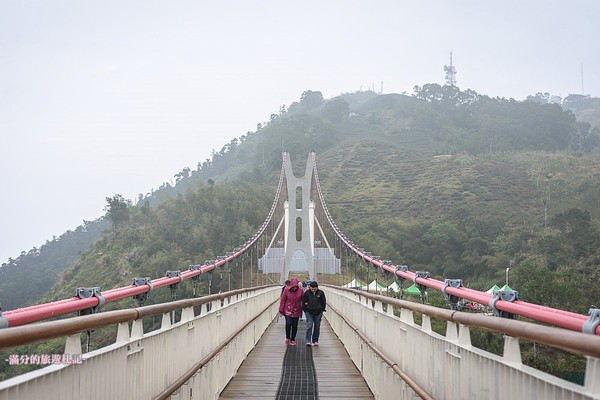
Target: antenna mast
[[450, 73], [582, 91]]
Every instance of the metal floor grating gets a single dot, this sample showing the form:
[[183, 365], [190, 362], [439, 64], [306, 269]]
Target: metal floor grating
[[298, 374]]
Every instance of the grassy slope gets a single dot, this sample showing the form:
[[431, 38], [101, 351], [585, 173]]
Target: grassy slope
[[382, 176]]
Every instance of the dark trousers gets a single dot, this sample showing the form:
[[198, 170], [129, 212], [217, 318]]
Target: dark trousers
[[313, 327], [291, 327]]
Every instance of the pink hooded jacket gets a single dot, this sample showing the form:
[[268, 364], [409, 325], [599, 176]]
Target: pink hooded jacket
[[291, 300]]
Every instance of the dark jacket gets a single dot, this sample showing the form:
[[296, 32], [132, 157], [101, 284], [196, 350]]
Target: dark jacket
[[314, 303]]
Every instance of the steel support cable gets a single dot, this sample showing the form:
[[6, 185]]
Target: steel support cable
[[463, 291], [564, 319], [44, 311], [165, 394], [20, 335], [557, 317], [50, 310], [422, 393], [577, 342]]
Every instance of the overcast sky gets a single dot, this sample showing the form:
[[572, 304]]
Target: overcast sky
[[106, 97]]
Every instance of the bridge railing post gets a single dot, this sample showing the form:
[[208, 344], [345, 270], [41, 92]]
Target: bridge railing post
[[592, 377]]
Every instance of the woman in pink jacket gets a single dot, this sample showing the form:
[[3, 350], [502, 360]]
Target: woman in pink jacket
[[290, 306]]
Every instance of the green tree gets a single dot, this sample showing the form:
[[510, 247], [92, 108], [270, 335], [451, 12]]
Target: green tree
[[309, 101], [117, 210], [576, 238], [336, 109], [312, 99]]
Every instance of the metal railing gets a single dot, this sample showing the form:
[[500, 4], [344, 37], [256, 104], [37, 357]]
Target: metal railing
[[199, 353], [397, 356]]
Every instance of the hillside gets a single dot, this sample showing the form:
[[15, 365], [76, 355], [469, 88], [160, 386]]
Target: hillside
[[28, 277], [411, 185], [463, 179], [585, 108], [397, 182]]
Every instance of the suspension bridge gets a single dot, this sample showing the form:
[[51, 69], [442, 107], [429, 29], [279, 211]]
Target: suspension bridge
[[230, 344]]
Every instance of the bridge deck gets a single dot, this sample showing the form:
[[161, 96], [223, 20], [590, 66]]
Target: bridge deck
[[260, 374]]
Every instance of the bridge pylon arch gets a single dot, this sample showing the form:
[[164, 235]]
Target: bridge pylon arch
[[299, 249], [299, 220]]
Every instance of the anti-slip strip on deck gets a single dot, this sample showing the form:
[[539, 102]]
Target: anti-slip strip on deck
[[298, 374]]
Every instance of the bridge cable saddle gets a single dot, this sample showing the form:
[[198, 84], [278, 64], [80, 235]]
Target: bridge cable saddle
[[195, 278], [3, 321], [210, 272], [400, 279], [453, 300], [422, 288], [141, 298], [385, 271], [589, 326], [174, 286], [504, 295], [84, 293], [402, 268]]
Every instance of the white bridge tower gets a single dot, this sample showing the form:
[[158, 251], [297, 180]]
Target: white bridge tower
[[299, 253]]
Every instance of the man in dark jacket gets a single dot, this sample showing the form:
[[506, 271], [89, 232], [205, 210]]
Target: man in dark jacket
[[313, 304]]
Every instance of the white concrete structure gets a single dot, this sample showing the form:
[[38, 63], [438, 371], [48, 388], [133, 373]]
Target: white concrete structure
[[299, 253]]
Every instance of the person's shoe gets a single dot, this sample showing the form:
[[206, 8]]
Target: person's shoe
[[293, 342], [308, 343], [315, 343], [287, 341]]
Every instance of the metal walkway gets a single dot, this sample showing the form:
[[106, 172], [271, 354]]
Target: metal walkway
[[260, 374]]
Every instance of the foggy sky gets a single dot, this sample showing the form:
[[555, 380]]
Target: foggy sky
[[106, 97]]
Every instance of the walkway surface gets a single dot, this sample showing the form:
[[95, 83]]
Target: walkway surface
[[262, 374]]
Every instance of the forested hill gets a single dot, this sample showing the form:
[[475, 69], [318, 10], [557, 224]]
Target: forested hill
[[450, 181], [28, 277]]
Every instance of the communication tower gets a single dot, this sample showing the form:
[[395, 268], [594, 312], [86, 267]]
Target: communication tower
[[450, 73]]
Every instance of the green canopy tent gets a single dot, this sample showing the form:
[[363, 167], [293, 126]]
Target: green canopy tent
[[493, 289], [506, 288], [413, 290]]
